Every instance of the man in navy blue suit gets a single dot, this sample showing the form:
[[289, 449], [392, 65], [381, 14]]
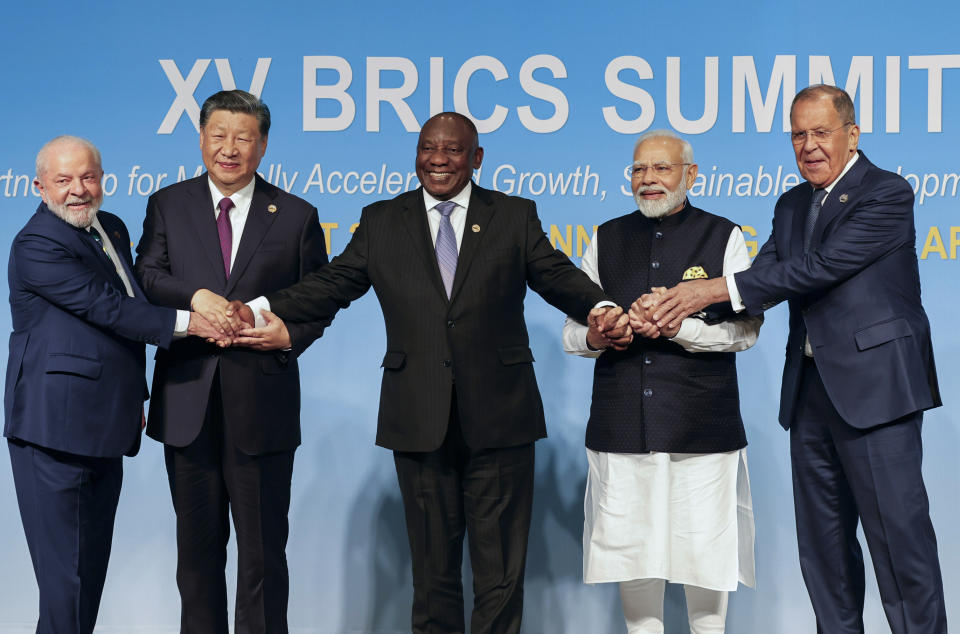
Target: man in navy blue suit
[[75, 379], [859, 369]]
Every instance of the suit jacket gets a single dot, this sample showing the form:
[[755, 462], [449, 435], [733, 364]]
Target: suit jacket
[[856, 293], [179, 254], [477, 339], [75, 375]]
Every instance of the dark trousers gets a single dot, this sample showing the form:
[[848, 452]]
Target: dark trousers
[[488, 493], [67, 504], [842, 474], [210, 479]]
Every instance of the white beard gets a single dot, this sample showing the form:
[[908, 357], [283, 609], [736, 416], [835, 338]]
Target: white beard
[[79, 219], [663, 206]]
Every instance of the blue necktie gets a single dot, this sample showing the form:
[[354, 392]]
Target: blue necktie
[[446, 247], [812, 214]]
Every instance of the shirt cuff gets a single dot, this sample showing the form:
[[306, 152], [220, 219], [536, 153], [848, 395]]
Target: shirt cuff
[[688, 332], [256, 305], [182, 323], [604, 303], [735, 299]]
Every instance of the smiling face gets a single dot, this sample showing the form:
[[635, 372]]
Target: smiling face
[[231, 146], [69, 182], [822, 161], [659, 195], [447, 154]]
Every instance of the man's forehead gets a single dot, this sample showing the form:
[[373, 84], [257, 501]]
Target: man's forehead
[[659, 148], [70, 152]]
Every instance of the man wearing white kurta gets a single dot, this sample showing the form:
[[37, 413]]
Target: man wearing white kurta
[[668, 495]]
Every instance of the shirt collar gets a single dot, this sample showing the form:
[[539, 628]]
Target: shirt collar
[[462, 199], [853, 159], [241, 198]]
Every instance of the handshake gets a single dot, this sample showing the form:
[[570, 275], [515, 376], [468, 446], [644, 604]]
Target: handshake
[[610, 327], [232, 323]]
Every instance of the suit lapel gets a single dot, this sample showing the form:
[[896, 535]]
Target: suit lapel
[[123, 252], [259, 220], [799, 219], [199, 212], [85, 246], [835, 204], [478, 215], [414, 220]]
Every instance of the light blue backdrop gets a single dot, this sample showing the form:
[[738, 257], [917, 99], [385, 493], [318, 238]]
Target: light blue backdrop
[[563, 89]]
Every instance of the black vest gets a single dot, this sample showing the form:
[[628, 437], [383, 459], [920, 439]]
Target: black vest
[[655, 396]]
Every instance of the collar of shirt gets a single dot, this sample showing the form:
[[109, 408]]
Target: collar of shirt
[[462, 199], [458, 217], [846, 169], [241, 200]]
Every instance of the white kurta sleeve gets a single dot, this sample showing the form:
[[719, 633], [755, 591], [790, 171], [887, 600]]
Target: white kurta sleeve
[[574, 333], [735, 334]]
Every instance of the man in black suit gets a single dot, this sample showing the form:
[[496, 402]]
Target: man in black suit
[[459, 405], [859, 370], [229, 418]]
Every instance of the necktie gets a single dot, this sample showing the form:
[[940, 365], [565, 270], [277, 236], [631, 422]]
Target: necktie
[[226, 233], [99, 240], [446, 247], [812, 214]]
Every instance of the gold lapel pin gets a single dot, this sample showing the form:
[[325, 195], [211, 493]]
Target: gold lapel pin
[[272, 209], [475, 228], [116, 234], [843, 198]]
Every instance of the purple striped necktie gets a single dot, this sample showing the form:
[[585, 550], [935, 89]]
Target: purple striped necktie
[[226, 233], [446, 247]]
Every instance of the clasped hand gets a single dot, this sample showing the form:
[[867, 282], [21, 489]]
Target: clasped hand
[[608, 327], [641, 315], [232, 323]]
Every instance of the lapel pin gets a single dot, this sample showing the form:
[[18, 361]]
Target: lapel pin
[[272, 209], [116, 234], [475, 228], [843, 198]]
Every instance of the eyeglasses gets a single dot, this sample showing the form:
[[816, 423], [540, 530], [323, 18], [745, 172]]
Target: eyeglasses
[[799, 138], [637, 170]]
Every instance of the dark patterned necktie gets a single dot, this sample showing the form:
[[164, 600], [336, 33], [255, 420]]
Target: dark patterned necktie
[[812, 214], [226, 233], [446, 246], [99, 240]]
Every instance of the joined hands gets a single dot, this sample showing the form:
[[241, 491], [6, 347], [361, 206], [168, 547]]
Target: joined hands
[[232, 323], [608, 327]]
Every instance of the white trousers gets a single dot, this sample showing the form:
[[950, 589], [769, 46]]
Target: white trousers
[[642, 601]]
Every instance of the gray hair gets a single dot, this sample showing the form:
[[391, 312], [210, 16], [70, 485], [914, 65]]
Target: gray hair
[[686, 149], [42, 155], [239, 101], [842, 103]]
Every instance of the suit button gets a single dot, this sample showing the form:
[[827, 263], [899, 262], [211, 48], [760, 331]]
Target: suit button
[[654, 265], [658, 235], [648, 392], [446, 363], [450, 324], [647, 361]]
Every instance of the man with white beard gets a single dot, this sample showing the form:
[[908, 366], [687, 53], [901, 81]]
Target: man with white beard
[[75, 382], [668, 495]]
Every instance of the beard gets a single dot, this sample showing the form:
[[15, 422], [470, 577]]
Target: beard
[[79, 218], [663, 206]]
